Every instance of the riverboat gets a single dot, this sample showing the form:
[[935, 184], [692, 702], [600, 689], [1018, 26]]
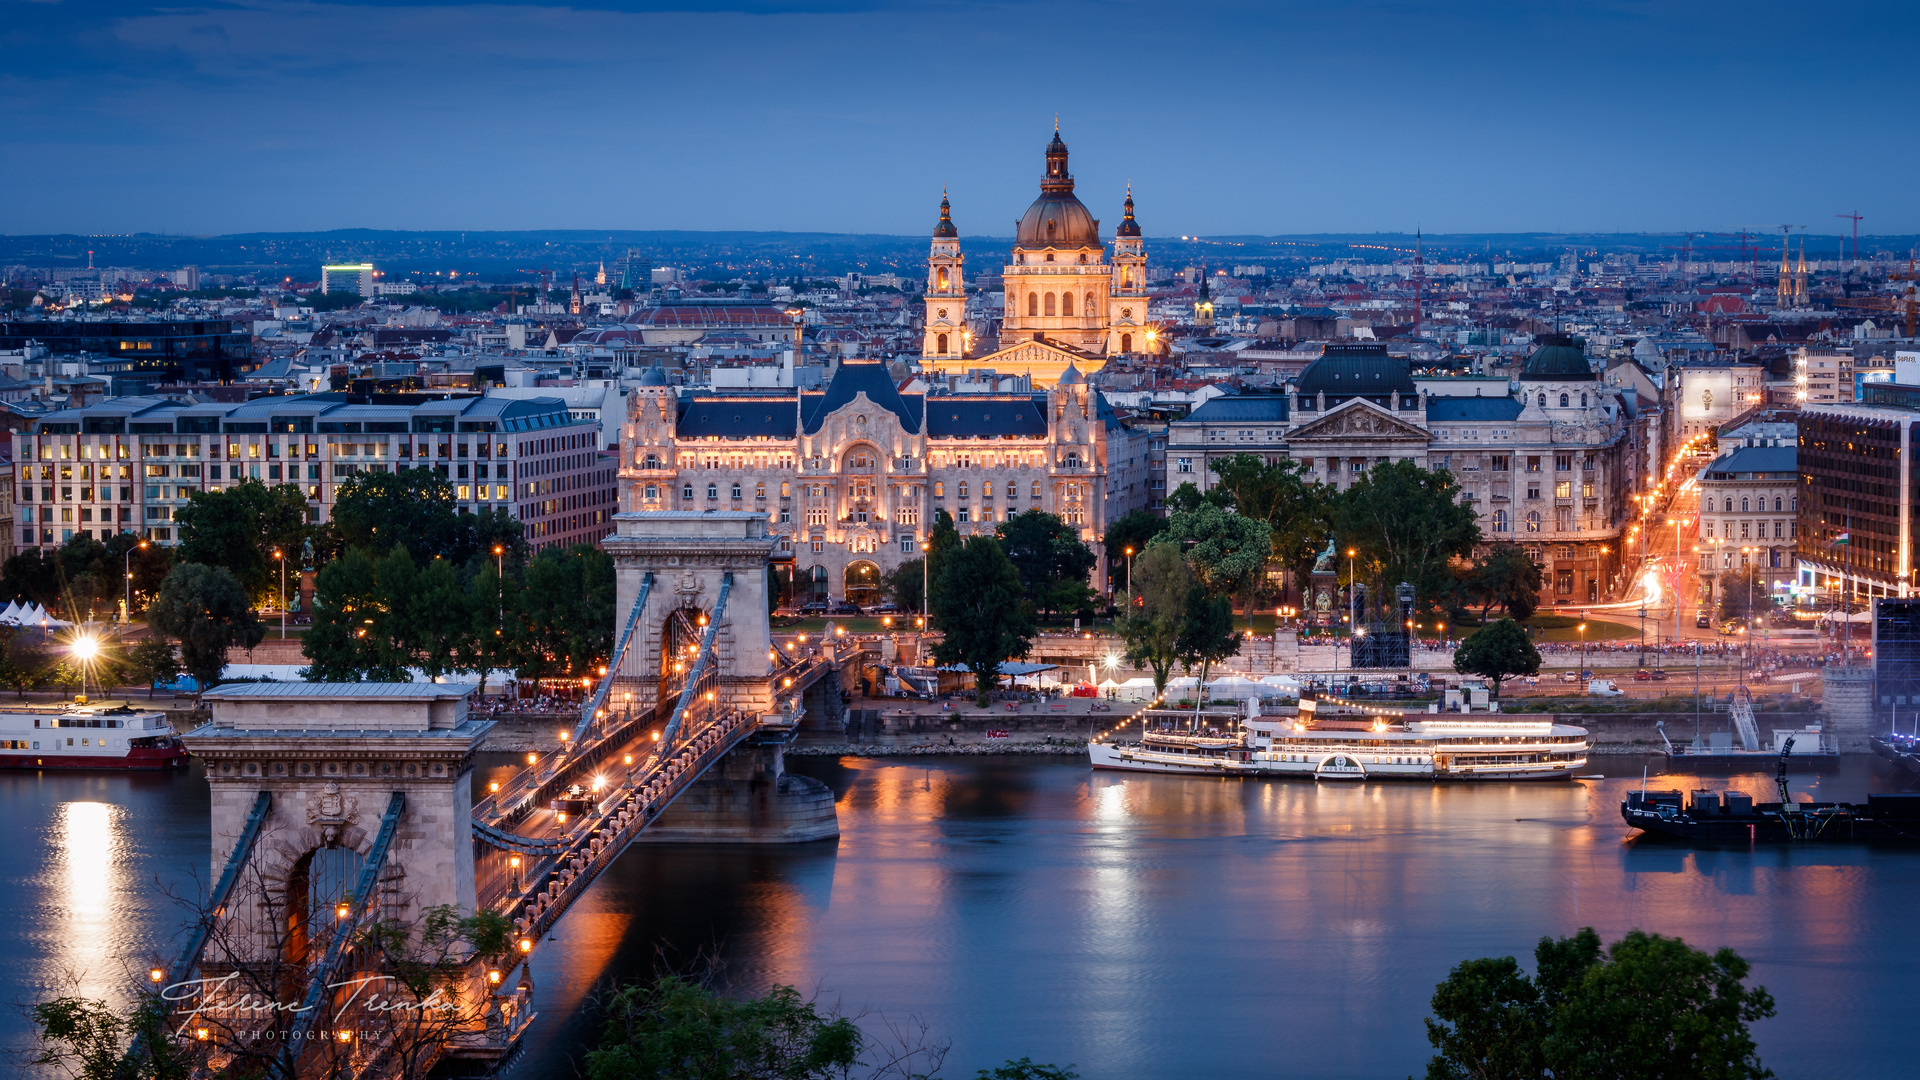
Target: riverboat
[[1718, 818], [1324, 744], [100, 735]]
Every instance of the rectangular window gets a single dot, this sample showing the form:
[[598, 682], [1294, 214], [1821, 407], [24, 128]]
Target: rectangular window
[[1779, 528], [1586, 489], [819, 546], [906, 545], [1185, 465], [1563, 489], [966, 515], [1499, 463], [1743, 530], [1533, 464], [1563, 462]]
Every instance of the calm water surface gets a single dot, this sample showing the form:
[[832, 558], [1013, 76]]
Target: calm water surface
[[1135, 926]]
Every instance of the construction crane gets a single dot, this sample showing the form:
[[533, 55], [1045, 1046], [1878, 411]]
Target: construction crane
[[1855, 217], [1908, 304]]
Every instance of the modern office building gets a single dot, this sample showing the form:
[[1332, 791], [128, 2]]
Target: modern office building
[[128, 464], [356, 278], [1856, 498], [185, 350], [1896, 663]]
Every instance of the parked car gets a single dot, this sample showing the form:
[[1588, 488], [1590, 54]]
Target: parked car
[[842, 607], [888, 608], [1604, 688], [814, 607]]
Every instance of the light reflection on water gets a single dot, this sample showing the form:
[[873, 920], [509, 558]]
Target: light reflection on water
[[1150, 926], [1135, 926]]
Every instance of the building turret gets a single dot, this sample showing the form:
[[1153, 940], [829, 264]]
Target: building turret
[[1127, 310], [946, 297]]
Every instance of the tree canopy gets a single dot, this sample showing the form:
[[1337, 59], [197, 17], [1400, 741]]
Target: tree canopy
[[207, 612], [1407, 523], [416, 507], [1227, 551], [1052, 560], [240, 527], [1648, 1007], [980, 609], [1152, 625], [1497, 652]]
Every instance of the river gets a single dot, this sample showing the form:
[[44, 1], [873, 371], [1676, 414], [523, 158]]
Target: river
[[1133, 926]]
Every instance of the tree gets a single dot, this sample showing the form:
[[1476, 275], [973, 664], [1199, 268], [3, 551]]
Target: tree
[[345, 643], [566, 613], [1132, 531], [152, 660], [1297, 511], [1745, 597], [941, 539], [1206, 637], [1497, 652], [239, 528], [1152, 625], [486, 645], [416, 507], [676, 1029], [1052, 560], [1508, 579], [905, 586], [1650, 1007], [1227, 551], [980, 611], [25, 659], [1407, 522], [207, 612]]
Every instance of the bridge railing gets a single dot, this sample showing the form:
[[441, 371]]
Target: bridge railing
[[551, 882]]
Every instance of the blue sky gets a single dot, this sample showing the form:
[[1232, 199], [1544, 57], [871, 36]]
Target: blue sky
[[1228, 117]]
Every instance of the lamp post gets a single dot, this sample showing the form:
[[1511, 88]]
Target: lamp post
[[1583, 654], [499, 583], [281, 558], [1129, 581], [129, 580]]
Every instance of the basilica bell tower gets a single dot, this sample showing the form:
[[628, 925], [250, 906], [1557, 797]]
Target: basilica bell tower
[[946, 297]]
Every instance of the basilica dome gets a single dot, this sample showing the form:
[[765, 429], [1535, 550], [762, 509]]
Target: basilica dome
[[1057, 219]]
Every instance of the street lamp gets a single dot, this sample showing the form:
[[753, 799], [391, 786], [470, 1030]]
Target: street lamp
[[281, 558], [499, 586], [128, 613], [1129, 581], [1583, 653]]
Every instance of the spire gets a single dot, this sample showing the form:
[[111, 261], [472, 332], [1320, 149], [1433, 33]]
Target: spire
[[1128, 226], [945, 229]]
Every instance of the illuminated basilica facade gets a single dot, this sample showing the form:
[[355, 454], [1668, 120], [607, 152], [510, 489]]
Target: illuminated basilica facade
[[1069, 302]]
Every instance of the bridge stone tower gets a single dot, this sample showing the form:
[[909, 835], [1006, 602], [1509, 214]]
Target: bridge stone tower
[[331, 756], [689, 555]]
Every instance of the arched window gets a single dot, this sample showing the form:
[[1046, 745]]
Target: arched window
[[759, 491], [1563, 401], [1072, 460], [963, 489], [1795, 505], [1728, 508], [1126, 343], [686, 492], [986, 489], [1543, 401], [1050, 304], [1533, 521], [943, 279], [1013, 489], [1066, 303], [940, 343], [1499, 521], [1583, 401], [713, 491], [736, 489], [1033, 304], [1776, 503], [1743, 505], [1036, 490]]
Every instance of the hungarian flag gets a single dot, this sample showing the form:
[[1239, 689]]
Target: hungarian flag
[[1842, 538]]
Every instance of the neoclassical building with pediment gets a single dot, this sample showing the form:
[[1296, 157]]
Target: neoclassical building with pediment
[[850, 477], [1544, 466], [1068, 302]]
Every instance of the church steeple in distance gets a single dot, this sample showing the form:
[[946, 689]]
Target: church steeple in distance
[[1128, 226], [945, 228]]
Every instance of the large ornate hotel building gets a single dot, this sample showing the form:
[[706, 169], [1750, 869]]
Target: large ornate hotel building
[[851, 477]]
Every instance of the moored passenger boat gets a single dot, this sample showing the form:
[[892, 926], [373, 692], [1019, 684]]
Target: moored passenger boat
[[1339, 743], [103, 735]]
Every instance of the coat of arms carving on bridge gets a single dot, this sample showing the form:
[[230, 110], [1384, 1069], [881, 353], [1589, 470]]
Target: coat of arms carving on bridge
[[330, 810]]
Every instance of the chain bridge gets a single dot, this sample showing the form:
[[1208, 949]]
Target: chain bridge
[[352, 853]]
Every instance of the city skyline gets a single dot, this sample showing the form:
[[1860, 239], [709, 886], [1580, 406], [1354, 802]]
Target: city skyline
[[850, 118]]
